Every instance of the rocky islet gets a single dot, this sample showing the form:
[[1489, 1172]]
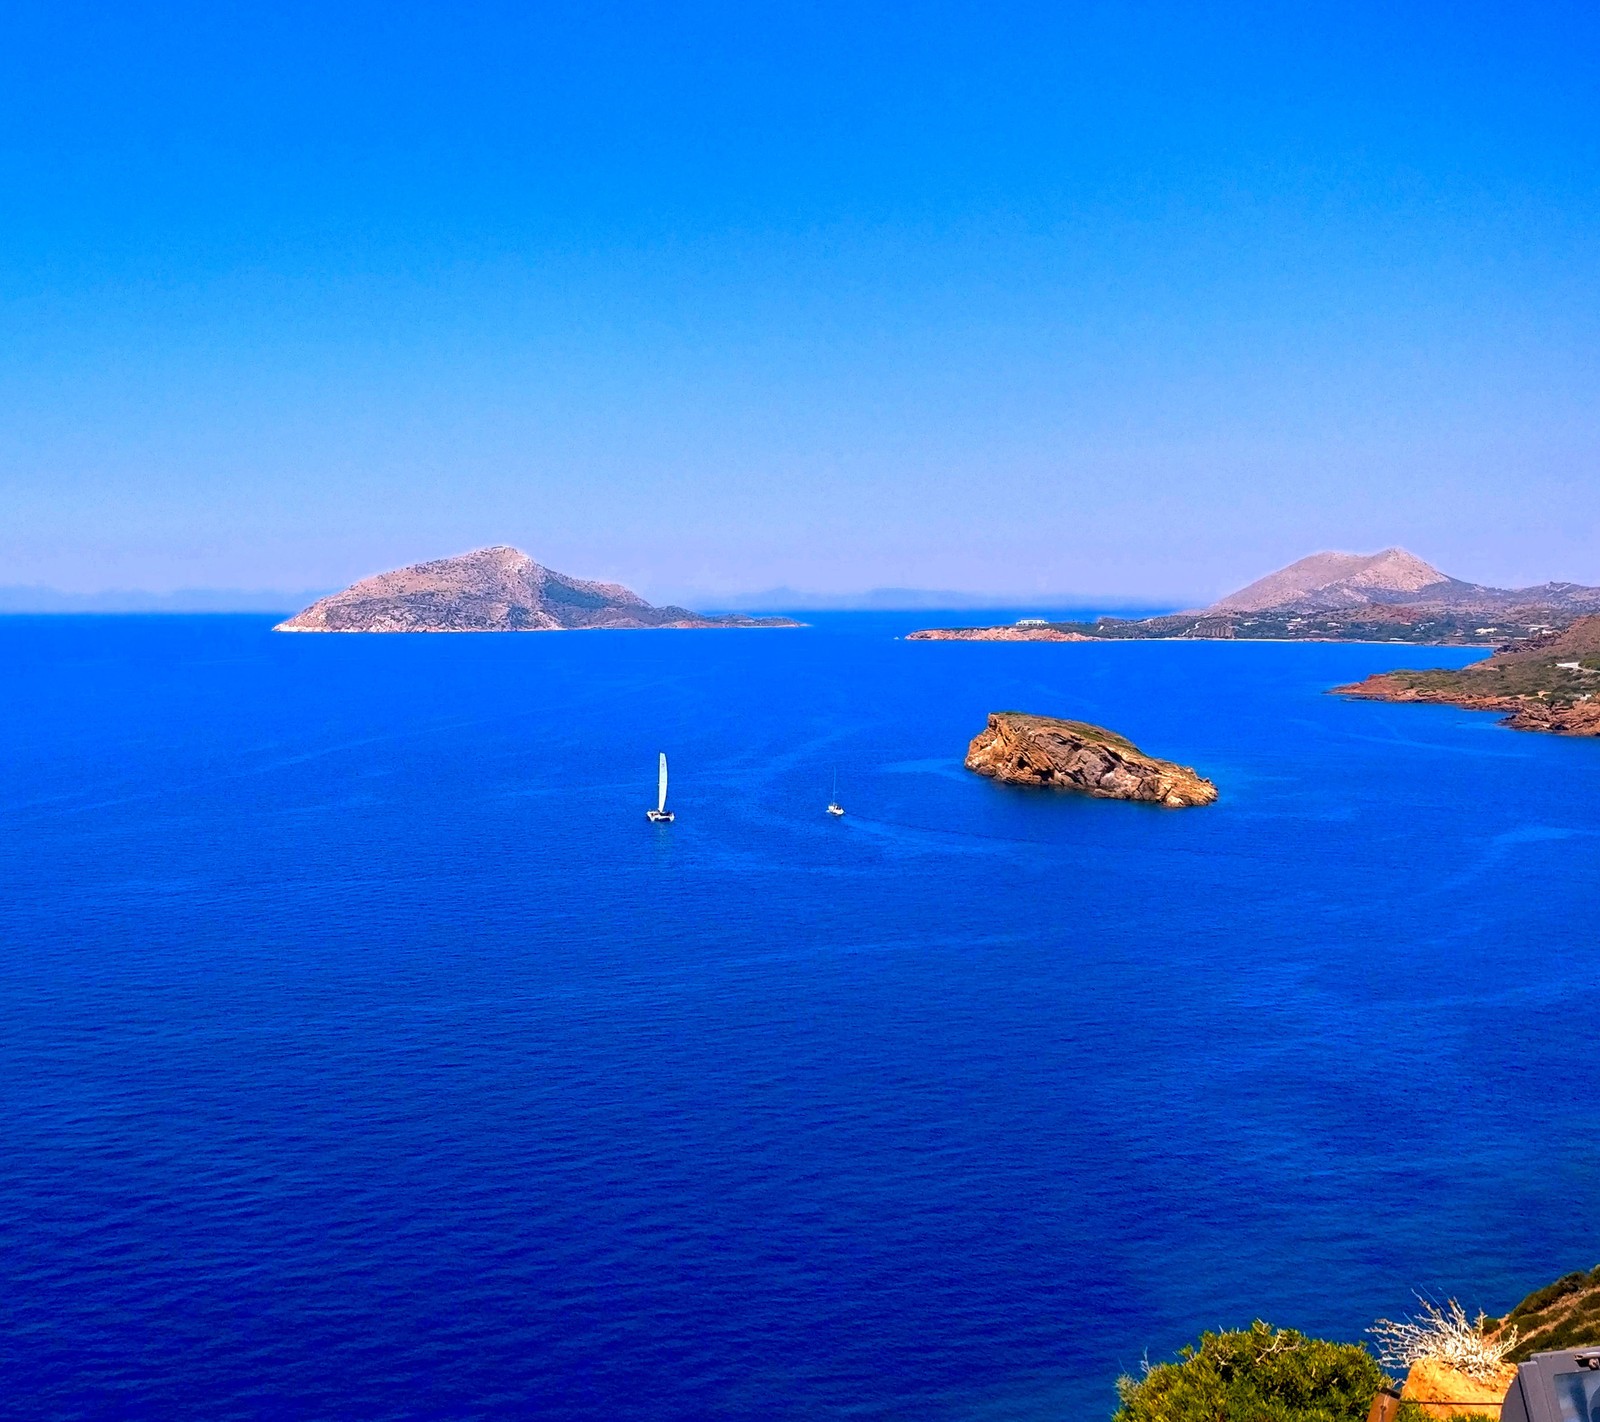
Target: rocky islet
[[1017, 748]]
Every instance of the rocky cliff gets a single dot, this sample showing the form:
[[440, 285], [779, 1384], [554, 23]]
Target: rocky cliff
[[1543, 683], [494, 590], [1020, 749]]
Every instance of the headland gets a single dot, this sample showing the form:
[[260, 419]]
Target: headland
[[1545, 682], [1392, 596]]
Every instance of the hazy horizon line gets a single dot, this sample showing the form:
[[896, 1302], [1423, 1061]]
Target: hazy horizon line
[[29, 598]]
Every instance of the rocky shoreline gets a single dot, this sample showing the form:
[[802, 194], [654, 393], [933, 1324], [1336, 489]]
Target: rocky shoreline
[[1547, 683], [1522, 713]]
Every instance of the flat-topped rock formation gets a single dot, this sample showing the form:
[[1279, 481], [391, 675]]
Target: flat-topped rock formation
[[1392, 596], [1021, 749], [494, 590], [1548, 682]]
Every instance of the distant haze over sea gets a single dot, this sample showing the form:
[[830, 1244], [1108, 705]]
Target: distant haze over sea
[[43, 599], [34, 599], [904, 600]]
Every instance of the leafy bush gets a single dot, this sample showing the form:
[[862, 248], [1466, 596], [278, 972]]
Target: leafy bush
[[1260, 1374]]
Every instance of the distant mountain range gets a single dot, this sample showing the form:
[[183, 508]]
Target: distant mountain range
[[496, 589]]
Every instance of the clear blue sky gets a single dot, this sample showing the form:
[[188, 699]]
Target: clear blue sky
[[1123, 300]]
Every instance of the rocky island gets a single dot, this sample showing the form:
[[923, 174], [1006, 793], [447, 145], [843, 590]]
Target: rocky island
[[1392, 596], [1020, 749], [1549, 681], [494, 590]]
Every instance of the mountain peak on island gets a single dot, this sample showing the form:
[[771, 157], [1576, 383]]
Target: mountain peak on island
[[1328, 580], [498, 589]]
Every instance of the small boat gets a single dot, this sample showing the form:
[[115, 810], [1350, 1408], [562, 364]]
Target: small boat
[[661, 814], [834, 807]]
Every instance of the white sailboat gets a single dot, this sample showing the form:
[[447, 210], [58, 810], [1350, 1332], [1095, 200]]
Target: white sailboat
[[834, 807], [661, 814]]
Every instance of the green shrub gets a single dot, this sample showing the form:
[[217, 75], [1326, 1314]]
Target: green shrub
[[1565, 1314], [1261, 1374]]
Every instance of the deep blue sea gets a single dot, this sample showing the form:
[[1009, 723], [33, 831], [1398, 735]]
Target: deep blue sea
[[364, 1052]]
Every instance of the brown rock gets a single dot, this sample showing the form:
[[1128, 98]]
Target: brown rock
[[1450, 1393], [1020, 749], [1581, 718]]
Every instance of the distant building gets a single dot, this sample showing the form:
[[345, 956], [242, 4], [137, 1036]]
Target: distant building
[[1212, 627], [1033, 622]]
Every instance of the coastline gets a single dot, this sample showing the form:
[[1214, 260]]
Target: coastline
[[1242, 641], [773, 626]]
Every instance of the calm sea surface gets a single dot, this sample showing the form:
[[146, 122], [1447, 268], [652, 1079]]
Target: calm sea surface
[[365, 1053]]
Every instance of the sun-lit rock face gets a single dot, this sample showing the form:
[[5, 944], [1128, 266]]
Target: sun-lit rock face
[[1448, 1392], [1020, 749]]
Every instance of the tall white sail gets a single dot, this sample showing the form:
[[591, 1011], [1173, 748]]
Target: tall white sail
[[661, 785]]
